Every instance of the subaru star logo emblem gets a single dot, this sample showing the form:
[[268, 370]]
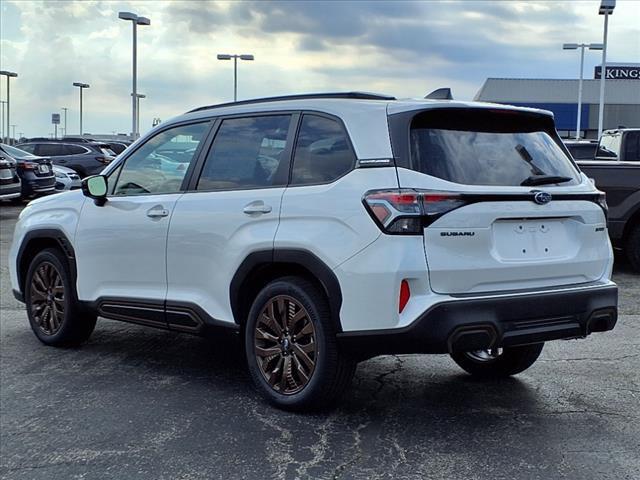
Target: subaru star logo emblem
[[542, 198]]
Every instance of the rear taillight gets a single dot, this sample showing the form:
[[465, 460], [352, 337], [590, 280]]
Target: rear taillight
[[29, 165], [602, 201], [407, 212]]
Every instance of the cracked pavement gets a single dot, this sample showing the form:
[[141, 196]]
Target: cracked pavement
[[139, 403]]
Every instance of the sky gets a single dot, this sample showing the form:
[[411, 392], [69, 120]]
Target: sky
[[406, 49]]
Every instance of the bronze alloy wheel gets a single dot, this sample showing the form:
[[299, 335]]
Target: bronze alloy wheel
[[285, 345], [47, 298]]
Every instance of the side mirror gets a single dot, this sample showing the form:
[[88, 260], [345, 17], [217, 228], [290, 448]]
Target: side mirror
[[95, 187]]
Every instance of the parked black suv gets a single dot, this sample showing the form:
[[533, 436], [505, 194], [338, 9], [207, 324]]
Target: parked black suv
[[35, 172], [85, 158]]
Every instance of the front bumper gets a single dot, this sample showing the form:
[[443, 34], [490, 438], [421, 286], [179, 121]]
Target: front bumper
[[466, 324]]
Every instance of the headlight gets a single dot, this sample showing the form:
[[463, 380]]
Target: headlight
[[61, 175]]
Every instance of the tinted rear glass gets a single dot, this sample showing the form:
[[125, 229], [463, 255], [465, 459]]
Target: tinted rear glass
[[487, 147], [583, 152]]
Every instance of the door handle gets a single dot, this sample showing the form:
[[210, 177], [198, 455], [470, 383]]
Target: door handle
[[157, 212], [257, 207]]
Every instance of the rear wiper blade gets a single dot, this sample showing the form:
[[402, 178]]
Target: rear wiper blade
[[544, 180]]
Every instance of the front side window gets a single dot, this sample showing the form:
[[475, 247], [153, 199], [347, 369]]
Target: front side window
[[247, 153], [322, 152], [160, 164]]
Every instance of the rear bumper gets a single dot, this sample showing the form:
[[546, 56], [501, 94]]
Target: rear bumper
[[479, 323], [32, 185], [8, 192]]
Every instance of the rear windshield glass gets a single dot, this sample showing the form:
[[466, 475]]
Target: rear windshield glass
[[489, 148], [583, 152]]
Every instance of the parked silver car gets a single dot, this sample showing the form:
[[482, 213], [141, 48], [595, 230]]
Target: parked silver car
[[66, 178]]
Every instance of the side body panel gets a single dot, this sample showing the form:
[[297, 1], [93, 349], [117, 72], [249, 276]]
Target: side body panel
[[209, 237], [330, 220], [121, 250]]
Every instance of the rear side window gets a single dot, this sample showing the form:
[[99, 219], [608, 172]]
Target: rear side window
[[75, 149], [322, 152], [247, 153], [499, 148], [632, 147], [50, 149], [609, 146]]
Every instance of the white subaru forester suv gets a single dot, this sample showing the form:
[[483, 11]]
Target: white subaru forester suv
[[327, 229]]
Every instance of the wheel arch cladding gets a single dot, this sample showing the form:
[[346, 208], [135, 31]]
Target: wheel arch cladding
[[37, 240], [261, 267]]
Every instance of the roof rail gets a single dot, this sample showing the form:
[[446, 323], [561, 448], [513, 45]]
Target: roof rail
[[303, 96]]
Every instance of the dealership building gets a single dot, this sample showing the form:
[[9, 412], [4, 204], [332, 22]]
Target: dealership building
[[622, 98]]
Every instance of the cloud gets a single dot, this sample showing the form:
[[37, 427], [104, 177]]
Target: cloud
[[401, 48]]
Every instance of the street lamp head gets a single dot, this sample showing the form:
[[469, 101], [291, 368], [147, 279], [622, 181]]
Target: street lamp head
[[81, 85], [143, 21], [224, 56], [139, 95], [596, 46], [246, 57], [569, 46], [128, 16], [606, 7], [8, 74]]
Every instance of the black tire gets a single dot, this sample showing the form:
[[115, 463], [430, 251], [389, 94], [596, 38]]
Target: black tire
[[67, 323], [332, 372], [632, 248], [511, 361]]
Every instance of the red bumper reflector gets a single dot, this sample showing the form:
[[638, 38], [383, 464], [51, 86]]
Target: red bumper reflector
[[405, 295]]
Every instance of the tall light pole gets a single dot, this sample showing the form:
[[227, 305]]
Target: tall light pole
[[226, 56], [135, 21], [138, 96], [64, 109], [8, 75], [81, 86], [2, 102], [606, 9], [581, 46]]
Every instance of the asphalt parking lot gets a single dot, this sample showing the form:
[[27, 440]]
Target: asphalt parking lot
[[142, 403]]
